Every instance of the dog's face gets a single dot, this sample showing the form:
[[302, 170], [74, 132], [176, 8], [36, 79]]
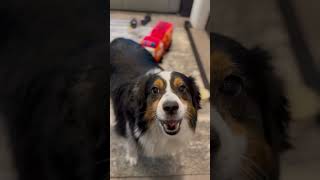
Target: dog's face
[[169, 100], [249, 111]]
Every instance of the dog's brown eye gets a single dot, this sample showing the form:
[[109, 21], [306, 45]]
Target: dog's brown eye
[[155, 90], [232, 85], [182, 88]]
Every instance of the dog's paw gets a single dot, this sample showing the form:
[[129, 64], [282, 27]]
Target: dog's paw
[[131, 159]]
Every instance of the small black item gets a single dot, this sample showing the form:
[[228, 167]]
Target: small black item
[[133, 23], [146, 20]]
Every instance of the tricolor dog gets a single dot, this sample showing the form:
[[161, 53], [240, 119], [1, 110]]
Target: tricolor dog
[[156, 110]]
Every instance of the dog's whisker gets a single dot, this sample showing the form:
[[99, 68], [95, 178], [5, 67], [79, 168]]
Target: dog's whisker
[[254, 167], [247, 173]]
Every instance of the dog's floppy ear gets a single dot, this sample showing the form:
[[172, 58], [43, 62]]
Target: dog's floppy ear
[[194, 90], [272, 100], [139, 93]]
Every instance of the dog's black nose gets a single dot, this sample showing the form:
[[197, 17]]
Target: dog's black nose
[[170, 107]]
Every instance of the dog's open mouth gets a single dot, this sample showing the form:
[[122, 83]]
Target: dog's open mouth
[[171, 127]]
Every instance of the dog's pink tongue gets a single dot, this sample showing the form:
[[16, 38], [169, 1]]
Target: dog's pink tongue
[[172, 124]]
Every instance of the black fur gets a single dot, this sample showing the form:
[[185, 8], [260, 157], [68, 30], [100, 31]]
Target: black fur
[[53, 94], [195, 92], [129, 63]]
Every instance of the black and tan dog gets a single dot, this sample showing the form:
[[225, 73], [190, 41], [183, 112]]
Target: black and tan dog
[[249, 110]]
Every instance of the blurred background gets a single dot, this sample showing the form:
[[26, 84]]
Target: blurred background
[[289, 29], [189, 54]]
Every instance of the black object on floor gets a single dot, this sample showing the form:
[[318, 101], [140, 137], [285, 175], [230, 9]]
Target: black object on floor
[[133, 23], [146, 20]]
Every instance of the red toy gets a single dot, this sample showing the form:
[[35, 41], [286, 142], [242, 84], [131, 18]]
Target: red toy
[[159, 40]]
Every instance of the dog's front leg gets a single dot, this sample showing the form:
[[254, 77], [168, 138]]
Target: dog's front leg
[[132, 152]]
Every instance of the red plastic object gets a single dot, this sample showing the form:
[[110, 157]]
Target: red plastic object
[[159, 40]]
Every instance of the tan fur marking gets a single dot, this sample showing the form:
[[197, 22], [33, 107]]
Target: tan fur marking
[[159, 84], [191, 111], [260, 153], [221, 65], [151, 111], [177, 82]]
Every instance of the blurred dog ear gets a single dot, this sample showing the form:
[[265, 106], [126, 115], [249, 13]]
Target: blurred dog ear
[[194, 90], [271, 98], [139, 93]]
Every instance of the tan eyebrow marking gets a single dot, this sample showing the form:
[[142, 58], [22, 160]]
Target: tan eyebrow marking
[[159, 83], [178, 82], [221, 65]]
